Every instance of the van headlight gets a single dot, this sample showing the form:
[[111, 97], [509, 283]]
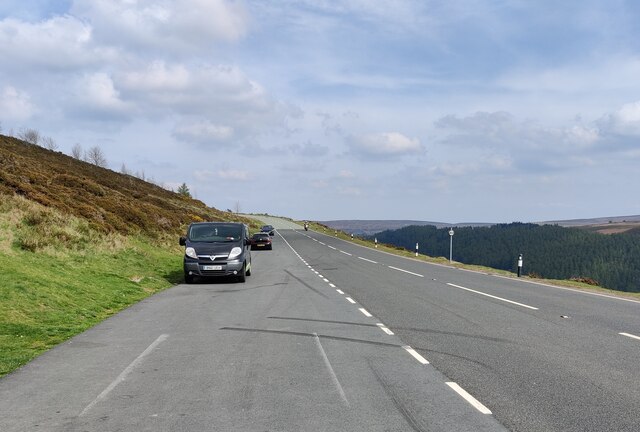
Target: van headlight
[[235, 252], [191, 253]]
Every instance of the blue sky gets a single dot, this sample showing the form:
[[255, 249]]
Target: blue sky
[[453, 111]]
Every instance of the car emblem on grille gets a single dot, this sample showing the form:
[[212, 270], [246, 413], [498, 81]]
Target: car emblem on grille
[[213, 257]]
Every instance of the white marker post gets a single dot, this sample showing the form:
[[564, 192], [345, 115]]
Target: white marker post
[[375, 240], [450, 245], [519, 265], [417, 249]]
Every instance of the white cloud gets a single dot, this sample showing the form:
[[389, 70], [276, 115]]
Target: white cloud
[[203, 132], [60, 43], [624, 121], [385, 144], [15, 105], [179, 26], [222, 174], [97, 95]]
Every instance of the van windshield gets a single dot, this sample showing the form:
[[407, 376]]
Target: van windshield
[[215, 233]]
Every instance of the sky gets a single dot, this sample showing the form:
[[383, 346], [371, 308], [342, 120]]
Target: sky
[[450, 111]]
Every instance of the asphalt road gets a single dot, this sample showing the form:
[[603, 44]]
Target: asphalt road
[[540, 358], [289, 350], [330, 336]]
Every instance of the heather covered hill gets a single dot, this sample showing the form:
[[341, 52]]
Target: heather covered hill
[[110, 201]]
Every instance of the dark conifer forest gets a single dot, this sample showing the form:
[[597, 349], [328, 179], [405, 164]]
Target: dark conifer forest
[[549, 251]]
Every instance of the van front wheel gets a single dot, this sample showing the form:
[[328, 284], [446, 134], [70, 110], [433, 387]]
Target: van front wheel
[[242, 277]]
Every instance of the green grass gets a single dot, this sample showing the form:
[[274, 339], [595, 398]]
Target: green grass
[[56, 287]]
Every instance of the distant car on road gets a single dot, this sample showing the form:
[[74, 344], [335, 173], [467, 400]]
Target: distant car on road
[[268, 229], [261, 240]]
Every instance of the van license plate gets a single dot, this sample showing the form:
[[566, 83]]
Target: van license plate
[[212, 267]]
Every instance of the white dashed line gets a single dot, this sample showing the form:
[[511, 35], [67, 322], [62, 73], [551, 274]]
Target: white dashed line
[[629, 335], [346, 253], [352, 301], [492, 296], [125, 372], [385, 329], [323, 244], [331, 247], [332, 285], [365, 312], [340, 291], [326, 280], [405, 271], [473, 401], [415, 355], [368, 260]]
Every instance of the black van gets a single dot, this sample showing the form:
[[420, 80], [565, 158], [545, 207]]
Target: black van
[[216, 249]]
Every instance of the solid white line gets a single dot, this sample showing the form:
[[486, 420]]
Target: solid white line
[[346, 253], [415, 355], [124, 373], [331, 247], [365, 312], [473, 401], [368, 260], [492, 296], [334, 377], [340, 291], [630, 335], [351, 300], [332, 285], [406, 271], [385, 329]]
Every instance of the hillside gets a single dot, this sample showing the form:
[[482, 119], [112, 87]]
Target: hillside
[[79, 243], [550, 251], [109, 201], [605, 225]]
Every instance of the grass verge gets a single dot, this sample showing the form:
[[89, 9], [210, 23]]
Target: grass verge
[[60, 277]]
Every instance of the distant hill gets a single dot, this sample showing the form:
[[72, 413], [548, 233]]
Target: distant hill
[[110, 201], [550, 251], [370, 227], [603, 225]]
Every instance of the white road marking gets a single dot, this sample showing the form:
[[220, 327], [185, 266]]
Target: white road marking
[[331, 247], [368, 260], [473, 401], [351, 300], [332, 285], [334, 377], [340, 291], [346, 253], [365, 312], [406, 271], [415, 355], [316, 272], [385, 329], [326, 280], [323, 244], [492, 296], [124, 373], [320, 276], [630, 335]]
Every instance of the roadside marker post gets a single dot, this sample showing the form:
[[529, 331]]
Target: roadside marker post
[[519, 265], [375, 240], [417, 247]]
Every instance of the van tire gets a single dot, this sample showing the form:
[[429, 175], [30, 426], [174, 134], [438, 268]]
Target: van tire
[[242, 277], [188, 278]]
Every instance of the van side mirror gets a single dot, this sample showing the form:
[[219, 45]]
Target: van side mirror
[[183, 241]]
